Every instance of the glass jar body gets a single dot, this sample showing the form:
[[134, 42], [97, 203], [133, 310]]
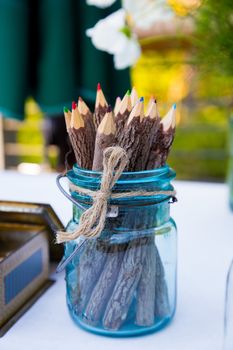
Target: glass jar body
[[123, 283]]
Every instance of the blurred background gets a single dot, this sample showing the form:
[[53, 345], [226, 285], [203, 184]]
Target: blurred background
[[47, 60]]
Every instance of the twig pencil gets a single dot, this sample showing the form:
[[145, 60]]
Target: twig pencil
[[130, 137], [104, 286], [89, 124], [70, 156], [149, 128], [85, 112], [100, 106], [150, 102], [67, 115], [163, 140], [169, 126], [134, 97], [169, 121], [105, 137], [117, 104], [126, 284], [79, 138], [90, 267], [162, 305], [146, 288], [121, 117]]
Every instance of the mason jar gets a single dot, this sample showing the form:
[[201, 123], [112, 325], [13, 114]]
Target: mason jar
[[123, 283]]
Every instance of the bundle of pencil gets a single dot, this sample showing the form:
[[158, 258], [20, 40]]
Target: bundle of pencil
[[111, 275], [146, 137]]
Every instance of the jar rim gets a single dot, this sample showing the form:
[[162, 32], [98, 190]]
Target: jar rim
[[91, 178], [153, 172]]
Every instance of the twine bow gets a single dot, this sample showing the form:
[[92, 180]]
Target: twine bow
[[92, 221]]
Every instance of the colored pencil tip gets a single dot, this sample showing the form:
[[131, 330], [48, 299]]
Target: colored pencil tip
[[66, 110], [128, 92], [141, 99], [74, 105], [152, 98], [174, 105], [109, 109], [80, 99], [98, 87]]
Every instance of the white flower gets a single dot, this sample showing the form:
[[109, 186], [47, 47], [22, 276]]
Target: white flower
[[106, 34], [128, 55], [144, 13], [100, 3], [113, 36]]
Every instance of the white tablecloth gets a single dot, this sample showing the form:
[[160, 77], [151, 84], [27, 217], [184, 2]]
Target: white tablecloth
[[205, 249]]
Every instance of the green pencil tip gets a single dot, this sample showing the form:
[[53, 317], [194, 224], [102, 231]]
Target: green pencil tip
[[128, 93], [65, 109]]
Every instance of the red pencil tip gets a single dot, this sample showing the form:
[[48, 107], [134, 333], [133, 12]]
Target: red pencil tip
[[98, 87], [74, 105]]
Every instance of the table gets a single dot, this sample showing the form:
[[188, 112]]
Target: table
[[205, 249]]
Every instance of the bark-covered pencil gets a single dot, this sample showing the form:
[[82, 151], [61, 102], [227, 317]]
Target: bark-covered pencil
[[104, 286], [149, 128], [79, 138], [126, 284], [162, 141], [89, 123], [134, 97], [105, 137], [117, 104], [151, 102], [121, 117], [162, 304], [101, 106], [87, 115], [130, 137], [146, 288], [91, 264], [67, 115]]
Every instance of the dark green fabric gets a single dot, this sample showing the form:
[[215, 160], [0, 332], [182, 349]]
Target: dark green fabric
[[13, 56], [44, 53], [56, 79]]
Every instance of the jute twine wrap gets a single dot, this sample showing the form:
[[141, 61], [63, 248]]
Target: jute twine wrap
[[92, 221]]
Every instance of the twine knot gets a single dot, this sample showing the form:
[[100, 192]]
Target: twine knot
[[92, 221], [101, 195]]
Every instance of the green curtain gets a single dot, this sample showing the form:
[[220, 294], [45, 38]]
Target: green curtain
[[45, 53]]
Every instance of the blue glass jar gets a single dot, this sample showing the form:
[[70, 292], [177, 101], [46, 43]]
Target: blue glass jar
[[123, 283]]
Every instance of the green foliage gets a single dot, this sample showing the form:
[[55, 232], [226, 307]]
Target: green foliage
[[214, 33], [199, 151]]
